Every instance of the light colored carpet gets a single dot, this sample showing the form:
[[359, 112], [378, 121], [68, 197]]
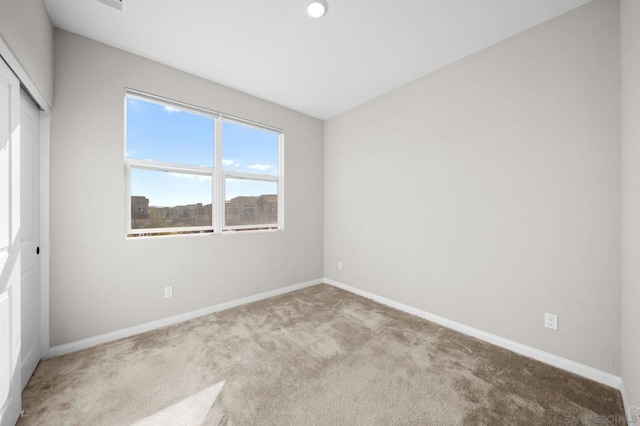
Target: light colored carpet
[[319, 356]]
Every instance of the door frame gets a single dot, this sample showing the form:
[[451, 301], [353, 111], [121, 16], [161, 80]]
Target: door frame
[[45, 119]]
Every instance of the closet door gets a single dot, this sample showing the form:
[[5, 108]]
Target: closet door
[[10, 258], [29, 236]]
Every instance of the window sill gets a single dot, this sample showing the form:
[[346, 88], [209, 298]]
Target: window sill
[[202, 235]]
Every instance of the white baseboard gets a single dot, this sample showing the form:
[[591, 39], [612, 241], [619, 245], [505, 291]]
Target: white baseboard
[[537, 354], [625, 401], [632, 411], [153, 325]]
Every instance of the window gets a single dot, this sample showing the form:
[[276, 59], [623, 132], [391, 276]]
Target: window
[[191, 170]]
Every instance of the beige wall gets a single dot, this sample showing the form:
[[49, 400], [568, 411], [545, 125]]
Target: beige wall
[[102, 282], [27, 30], [489, 192], [630, 52]]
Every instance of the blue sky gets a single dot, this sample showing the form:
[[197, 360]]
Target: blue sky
[[162, 133]]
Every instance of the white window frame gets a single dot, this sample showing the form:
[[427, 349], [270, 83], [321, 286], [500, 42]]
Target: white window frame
[[217, 173]]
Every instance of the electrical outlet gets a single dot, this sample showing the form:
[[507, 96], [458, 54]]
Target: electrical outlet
[[551, 321], [340, 265], [168, 291]]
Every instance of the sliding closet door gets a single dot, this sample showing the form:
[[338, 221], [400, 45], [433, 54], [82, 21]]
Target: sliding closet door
[[29, 235], [10, 268]]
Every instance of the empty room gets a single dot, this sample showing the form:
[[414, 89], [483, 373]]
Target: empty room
[[319, 212]]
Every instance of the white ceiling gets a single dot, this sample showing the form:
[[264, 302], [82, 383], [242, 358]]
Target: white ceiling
[[271, 49]]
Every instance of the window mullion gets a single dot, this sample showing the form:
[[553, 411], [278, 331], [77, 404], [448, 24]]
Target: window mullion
[[127, 177], [170, 167], [250, 176], [218, 189], [280, 211]]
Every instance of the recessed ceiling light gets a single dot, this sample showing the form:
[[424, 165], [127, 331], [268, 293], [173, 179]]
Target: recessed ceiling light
[[317, 8]]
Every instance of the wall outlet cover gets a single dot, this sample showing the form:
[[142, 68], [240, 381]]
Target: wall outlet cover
[[168, 291], [551, 321]]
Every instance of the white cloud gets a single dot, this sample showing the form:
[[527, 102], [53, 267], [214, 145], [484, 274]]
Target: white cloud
[[261, 167], [170, 109], [193, 178], [230, 163]]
